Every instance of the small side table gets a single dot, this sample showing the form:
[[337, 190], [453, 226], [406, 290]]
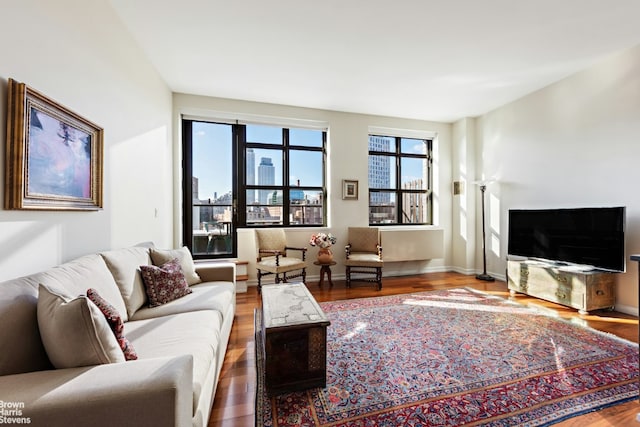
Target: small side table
[[325, 268]]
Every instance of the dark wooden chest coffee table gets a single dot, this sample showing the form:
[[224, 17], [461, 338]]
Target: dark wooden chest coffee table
[[294, 331]]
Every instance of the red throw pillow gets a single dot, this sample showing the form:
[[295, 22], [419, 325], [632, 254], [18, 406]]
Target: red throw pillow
[[165, 283], [115, 322]]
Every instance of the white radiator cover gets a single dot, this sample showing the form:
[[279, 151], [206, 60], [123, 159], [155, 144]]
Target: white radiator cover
[[412, 244]]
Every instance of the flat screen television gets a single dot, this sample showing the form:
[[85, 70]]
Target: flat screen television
[[586, 236]]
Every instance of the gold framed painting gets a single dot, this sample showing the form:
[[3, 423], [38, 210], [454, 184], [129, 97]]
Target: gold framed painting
[[349, 189], [53, 157]]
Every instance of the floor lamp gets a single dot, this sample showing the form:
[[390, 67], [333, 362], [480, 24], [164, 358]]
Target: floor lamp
[[484, 276]]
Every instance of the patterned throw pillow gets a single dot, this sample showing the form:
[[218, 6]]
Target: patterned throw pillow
[[165, 283], [115, 322]]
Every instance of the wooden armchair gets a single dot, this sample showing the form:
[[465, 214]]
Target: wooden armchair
[[273, 258], [364, 255]]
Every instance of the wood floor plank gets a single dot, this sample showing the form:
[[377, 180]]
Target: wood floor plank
[[234, 403]]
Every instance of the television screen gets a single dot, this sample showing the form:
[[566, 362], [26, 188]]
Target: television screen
[[586, 236]]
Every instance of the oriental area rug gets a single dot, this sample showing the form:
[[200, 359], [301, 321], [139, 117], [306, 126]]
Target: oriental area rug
[[454, 357]]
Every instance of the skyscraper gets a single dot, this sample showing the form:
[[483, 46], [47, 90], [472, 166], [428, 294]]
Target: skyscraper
[[379, 172], [266, 176]]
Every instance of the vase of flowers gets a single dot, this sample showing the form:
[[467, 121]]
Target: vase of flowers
[[323, 241]]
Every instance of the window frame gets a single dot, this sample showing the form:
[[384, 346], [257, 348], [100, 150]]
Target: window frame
[[239, 184], [187, 186], [286, 147], [396, 156]]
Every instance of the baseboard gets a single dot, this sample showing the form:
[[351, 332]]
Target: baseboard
[[473, 272], [390, 272], [626, 309], [241, 286], [501, 277], [465, 271]]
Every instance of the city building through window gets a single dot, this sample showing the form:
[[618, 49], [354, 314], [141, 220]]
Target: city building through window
[[400, 180], [289, 164]]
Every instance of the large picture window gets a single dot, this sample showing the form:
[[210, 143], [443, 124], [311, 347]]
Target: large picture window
[[285, 176], [400, 181], [248, 175]]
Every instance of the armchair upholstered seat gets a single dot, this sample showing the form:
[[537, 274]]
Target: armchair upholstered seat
[[273, 257], [364, 256]]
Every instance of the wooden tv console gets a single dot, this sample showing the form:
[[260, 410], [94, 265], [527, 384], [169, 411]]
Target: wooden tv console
[[584, 290]]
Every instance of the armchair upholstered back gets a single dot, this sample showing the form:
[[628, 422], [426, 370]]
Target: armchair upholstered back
[[364, 239], [273, 239]]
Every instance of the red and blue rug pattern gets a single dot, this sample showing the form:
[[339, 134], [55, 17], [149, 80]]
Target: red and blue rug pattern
[[456, 357]]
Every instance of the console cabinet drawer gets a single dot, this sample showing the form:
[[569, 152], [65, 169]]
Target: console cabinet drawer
[[583, 290]]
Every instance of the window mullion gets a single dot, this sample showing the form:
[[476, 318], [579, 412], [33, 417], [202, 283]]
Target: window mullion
[[399, 207], [286, 185], [240, 143]]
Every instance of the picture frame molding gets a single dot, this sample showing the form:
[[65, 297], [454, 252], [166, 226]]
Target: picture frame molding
[[22, 99]]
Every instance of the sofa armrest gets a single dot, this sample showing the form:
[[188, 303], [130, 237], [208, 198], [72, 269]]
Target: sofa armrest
[[149, 392], [216, 271]]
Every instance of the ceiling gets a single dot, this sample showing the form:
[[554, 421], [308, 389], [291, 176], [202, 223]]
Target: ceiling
[[437, 60]]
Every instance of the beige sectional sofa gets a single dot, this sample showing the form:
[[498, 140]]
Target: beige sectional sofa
[[180, 345]]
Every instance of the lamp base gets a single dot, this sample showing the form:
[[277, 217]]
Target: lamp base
[[485, 277]]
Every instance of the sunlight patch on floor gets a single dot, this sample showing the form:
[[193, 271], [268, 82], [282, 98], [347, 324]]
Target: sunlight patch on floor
[[611, 320], [360, 326], [558, 353], [464, 305]]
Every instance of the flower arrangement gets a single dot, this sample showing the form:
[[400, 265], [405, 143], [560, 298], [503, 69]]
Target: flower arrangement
[[322, 240]]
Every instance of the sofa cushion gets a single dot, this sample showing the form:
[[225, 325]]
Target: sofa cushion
[[196, 333], [205, 296], [161, 256], [125, 264], [165, 283], [74, 277], [74, 331], [115, 323], [20, 333]]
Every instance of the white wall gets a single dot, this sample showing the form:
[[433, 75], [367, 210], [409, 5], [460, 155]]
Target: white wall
[[347, 159], [463, 234], [574, 143], [79, 54]]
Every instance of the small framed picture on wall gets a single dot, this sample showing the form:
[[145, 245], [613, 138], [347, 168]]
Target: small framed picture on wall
[[349, 189]]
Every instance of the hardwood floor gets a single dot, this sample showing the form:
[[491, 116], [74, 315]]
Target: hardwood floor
[[234, 402]]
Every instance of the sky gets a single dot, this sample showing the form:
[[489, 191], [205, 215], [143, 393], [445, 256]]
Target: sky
[[214, 141], [212, 160]]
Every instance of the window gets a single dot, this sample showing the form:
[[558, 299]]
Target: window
[[209, 188], [400, 182], [246, 175], [285, 176]]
